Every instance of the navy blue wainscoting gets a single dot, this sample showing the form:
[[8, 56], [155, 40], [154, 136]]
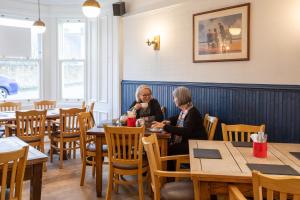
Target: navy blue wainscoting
[[276, 106]]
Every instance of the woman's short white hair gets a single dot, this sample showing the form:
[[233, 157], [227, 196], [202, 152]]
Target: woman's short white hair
[[183, 95], [138, 91]]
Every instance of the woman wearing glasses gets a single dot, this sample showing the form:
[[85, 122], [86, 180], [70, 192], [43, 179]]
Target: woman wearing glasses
[[145, 105], [187, 125]]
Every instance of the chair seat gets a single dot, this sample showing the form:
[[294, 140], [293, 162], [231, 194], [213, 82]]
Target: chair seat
[[177, 190], [129, 167], [67, 135], [31, 140], [92, 147]]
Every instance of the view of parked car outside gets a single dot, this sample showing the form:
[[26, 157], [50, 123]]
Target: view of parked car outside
[[7, 87]]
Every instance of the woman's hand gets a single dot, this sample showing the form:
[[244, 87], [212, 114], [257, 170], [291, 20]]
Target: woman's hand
[[158, 125], [166, 122], [137, 106]]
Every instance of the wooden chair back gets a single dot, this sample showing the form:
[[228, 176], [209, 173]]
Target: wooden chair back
[[152, 149], [12, 168], [69, 124], [240, 132], [210, 125], [31, 127], [285, 185], [44, 105], [164, 111], [91, 107], [124, 144], [9, 106], [86, 122], [83, 104]]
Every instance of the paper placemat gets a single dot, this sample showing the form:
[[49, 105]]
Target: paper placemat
[[296, 154], [242, 144], [273, 169], [207, 153]]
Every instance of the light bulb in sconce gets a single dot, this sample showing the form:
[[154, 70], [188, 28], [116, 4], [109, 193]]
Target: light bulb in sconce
[[155, 42], [235, 31]]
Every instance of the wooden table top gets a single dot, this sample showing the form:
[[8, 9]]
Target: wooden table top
[[14, 143], [11, 115], [233, 164], [100, 132]]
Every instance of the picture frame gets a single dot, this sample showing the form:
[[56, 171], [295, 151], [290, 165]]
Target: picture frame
[[222, 34]]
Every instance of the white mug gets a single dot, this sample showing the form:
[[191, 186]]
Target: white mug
[[144, 105]]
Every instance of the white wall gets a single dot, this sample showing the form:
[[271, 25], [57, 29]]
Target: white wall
[[274, 43]]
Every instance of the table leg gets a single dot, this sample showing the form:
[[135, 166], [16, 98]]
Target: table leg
[[196, 188], [36, 182], [204, 190], [99, 163]]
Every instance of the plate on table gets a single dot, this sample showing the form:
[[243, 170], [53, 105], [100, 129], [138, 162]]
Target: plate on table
[[155, 130]]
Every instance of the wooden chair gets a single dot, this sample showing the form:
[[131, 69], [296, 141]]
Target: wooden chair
[[285, 185], [9, 106], [12, 168], [30, 127], [87, 144], [68, 133], [171, 190], [4, 107], [238, 132], [210, 125], [125, 155], [44, 105]]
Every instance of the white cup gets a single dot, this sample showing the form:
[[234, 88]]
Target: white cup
[[144, 105]]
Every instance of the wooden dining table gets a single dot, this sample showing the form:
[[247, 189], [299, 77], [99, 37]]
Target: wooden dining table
[[100, 141], [212, 176], [34, 165]]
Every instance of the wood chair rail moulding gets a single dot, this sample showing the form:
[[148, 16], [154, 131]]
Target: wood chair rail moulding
[[87, 143], [240, 132], [166, 190], [45, 104], [9, 106], [31, 127], [16, 161], [210, 125], [284, 185], [125, 154], [68, 133]]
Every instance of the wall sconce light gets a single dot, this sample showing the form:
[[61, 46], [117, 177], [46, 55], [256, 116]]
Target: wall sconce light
[[155, 42]]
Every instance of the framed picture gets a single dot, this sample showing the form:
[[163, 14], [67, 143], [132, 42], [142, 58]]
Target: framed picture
[[222, 34]]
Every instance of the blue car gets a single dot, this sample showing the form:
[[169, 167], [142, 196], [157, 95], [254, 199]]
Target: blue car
[[7, 87]]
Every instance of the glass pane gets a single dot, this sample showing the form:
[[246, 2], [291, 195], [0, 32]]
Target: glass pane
[[73, 80], [72, 42], [19, 79]]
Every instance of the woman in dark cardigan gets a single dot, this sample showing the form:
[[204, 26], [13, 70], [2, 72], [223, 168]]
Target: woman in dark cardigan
[[187, 125], [145, 105]]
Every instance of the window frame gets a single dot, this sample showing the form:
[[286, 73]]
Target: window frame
[[60, 61]]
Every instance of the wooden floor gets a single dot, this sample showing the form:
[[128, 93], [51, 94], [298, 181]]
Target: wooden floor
[[64, 183]]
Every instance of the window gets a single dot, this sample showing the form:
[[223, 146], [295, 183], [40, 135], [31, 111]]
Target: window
[[71, 45], [20, 60]]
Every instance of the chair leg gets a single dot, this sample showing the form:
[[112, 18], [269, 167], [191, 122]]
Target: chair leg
[[51, 152], [61, 153], [83, 173], [74, 150], [93, 168], [116, 185], [110, 182], [140, 184]]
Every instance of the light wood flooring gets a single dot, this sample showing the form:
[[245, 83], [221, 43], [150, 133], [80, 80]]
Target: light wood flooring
[[65, 183]]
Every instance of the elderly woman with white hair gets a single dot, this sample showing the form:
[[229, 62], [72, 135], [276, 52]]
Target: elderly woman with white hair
[[187, 125], [145, 105]]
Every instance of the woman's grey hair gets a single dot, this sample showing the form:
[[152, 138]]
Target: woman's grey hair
[[138, 91], [183, 95]]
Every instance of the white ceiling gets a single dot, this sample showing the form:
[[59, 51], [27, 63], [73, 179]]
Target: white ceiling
[[55, 2]]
